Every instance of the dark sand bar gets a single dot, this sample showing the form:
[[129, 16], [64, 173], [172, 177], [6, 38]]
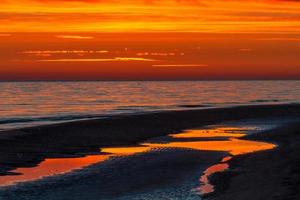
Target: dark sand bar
[[90, 135], [128, 129]]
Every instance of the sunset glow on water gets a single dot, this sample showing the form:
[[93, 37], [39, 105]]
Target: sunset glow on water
[[232, 145], [50, 167], [34, 103]]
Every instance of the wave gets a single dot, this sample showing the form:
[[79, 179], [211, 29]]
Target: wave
[[28, 121], [50, 119], [264, 100], [193, 106]]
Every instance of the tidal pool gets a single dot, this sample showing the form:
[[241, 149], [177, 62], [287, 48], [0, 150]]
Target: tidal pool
[[228, 139]]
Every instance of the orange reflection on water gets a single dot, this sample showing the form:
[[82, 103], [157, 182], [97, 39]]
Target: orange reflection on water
[[205, 186], [51, 167], [207, 133], [226, 159], [125, 151], [233, 146]]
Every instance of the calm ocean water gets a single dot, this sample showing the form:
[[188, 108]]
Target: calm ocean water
[[33, 103]]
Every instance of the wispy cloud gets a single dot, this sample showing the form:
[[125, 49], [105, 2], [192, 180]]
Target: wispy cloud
[[280, 39], [77, 37], [117, 59], [181, 65], [157, 54], [4, 34], [37, 52], [245, 50]]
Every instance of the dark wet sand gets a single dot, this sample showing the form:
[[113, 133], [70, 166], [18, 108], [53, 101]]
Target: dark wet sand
[[29, 146], [158, 174], [267, 175]]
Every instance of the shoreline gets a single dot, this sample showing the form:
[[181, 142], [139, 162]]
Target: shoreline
[[153, 171], [23, 122], [86, 137], [259, 110]]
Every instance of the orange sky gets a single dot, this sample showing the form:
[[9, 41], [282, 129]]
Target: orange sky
[[148, 39]]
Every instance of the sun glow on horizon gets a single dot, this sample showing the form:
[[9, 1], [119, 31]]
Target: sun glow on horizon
[[149, 40]]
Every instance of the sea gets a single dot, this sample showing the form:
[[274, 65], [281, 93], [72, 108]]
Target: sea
[[25, 104]]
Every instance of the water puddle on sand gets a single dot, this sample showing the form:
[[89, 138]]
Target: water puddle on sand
[[50, 167], [228, 142], [226, 139], [232, 145], [206, 187]]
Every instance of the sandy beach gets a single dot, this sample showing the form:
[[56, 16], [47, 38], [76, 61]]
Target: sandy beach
[[169, 170]]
